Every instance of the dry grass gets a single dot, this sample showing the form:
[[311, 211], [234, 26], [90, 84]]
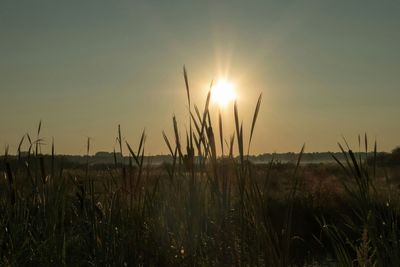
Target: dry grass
[[202, 209]]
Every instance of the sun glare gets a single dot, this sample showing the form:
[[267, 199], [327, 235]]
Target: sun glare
[[223, 92]]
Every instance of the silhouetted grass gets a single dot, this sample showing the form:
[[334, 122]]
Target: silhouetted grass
[[200, 209]]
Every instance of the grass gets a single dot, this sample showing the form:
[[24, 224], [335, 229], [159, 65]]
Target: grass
[[201, 209]]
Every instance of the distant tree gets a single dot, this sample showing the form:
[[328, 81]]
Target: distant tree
[[395, 157], [396, 151]]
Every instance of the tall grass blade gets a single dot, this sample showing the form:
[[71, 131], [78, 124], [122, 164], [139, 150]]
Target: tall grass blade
[[253, 124], [134, 156], [177, 139], [52, 158], [142, 140], [39, 127], [187, 85], [167, 142], [221, 133], [120, 139], [19, 147], [231, 141]]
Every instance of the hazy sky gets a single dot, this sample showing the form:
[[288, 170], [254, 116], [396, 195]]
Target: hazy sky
[[325, 68]]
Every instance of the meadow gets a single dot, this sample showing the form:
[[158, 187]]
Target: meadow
[[202, 208]]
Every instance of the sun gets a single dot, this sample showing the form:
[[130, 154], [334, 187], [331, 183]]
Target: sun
[[223, 92]]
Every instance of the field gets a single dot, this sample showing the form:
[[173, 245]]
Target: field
[[200, 209]]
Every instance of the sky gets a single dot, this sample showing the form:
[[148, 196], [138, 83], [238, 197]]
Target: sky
[[325, 69]]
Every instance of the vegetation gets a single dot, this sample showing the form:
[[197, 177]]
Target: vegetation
[[201, 209]]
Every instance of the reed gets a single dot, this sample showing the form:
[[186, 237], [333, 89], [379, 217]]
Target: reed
[[206, 206]]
